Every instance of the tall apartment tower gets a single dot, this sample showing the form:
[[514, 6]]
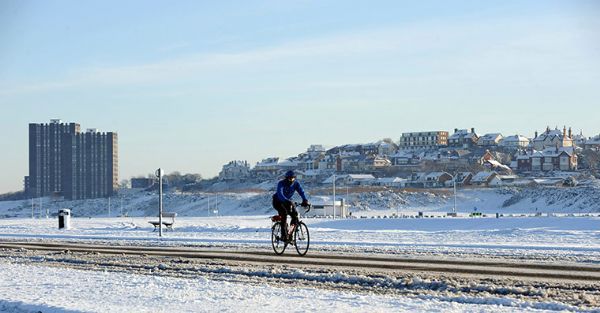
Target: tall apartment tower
[[93, 167], [45, 157], [84, 165]]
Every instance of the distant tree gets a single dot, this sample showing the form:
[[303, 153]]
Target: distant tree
[[591, 158], [124, 183], [176, 180], [11, 196]]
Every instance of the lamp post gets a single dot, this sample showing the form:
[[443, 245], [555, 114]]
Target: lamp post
[[333, 196], [454, 183], [454, 180], [159, 174]]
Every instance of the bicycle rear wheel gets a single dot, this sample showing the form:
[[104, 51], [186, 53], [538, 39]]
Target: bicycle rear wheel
[[301, 238], [276, 241]]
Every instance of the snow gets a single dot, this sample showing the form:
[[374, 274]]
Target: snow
[[516, 236], [584, 198], [544, 224], [28, 288]]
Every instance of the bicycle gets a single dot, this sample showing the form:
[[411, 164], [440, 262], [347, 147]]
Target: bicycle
[[298, 233]]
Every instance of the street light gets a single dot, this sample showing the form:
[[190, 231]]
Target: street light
[[454, 183], [454, 180], [334, 196], [159, 173]]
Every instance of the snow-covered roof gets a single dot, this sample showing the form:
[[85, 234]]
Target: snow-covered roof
[[515, 139], [497, 164], [311, 173], [288, 162], [461, 133], [391, 180], [548, 152], [593, 141], [482, 176], [361, 176], [549, 134], [437, 174], [490, 137], [268, 162], [403, 154]]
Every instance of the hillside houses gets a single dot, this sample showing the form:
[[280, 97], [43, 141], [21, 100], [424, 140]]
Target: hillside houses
[[547, 160], [552, 138], [420, 159]]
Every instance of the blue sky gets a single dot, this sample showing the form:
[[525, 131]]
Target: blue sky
[[191, 85]]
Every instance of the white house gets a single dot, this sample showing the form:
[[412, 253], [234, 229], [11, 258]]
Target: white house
[[514, 142], [490, 140]]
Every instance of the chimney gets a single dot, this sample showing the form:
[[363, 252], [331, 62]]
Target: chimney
[[570, 133], [564, 131], [473, 130], [536, 134], [456, 130]]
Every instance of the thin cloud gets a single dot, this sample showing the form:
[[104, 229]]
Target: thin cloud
[[472, 45]]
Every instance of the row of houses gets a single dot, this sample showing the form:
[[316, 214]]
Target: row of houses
[[469, 139], [430, 180], [552, 150]]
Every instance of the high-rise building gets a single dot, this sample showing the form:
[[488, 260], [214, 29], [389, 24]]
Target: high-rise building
[[64, 161], [92, 169], [45, 158]]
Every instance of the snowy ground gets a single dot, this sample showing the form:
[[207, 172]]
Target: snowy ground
[[28, 288], [361, 202], [566, 230], [35, 287], [575, 237]]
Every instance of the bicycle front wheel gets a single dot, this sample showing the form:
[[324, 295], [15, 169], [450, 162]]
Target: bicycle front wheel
[[301, 238], [276, 241]]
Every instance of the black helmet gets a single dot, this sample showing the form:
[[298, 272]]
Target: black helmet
[[290, 174]]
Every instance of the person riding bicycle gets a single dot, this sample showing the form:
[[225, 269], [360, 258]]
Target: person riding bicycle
[[282, 201]]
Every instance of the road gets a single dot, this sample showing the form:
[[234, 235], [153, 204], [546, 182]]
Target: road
[[490, 268]]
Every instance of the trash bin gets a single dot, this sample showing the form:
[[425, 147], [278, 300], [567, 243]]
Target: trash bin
[[64, 219]]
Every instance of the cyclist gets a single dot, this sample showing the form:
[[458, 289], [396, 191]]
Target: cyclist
[[282, 201]]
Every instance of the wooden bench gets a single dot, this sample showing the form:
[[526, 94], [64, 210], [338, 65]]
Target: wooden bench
[[168, 223]]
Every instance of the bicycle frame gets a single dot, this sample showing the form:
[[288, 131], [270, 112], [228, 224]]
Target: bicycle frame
[[279, 245]]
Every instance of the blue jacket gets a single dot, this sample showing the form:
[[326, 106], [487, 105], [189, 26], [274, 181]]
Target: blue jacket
[[285, 190]]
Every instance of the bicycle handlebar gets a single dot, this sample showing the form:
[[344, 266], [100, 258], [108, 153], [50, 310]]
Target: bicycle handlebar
[[309, 206]]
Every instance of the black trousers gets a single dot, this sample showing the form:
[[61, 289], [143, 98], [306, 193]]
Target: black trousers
[[284, 209]]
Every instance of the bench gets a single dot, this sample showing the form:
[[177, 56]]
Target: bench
[[167, 223]]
